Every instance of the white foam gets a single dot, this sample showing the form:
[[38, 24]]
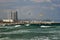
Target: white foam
[[17, 25], [27, 24], [45, 26]]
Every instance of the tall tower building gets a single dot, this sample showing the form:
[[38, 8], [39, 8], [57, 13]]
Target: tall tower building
[[14, 15]]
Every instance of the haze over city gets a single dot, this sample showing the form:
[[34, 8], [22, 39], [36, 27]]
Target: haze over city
[[31, 9]]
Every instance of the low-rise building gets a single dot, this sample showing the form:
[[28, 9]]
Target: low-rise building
[[8, 20]]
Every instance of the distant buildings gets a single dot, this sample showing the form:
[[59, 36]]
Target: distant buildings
[[13, 17], [8, 20]]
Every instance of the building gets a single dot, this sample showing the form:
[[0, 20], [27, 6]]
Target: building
[[14, 15], [8, 20]]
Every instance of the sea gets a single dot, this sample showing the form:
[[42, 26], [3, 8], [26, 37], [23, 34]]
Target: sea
[[30, 32]]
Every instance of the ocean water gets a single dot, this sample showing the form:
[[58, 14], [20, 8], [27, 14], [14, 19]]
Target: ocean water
[[30, 32]]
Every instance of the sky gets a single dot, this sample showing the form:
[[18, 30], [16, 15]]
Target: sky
[[31, 9]]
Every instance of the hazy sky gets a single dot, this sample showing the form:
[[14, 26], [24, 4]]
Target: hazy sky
[[31, 9]]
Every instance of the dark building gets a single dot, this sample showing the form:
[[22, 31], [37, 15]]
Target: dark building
[[14, 15]]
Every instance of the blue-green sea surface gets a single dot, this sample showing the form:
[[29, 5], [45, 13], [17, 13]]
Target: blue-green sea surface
[[30, 32]]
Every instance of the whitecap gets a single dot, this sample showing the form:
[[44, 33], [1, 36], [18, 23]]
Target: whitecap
[[27, 24], [17, 25], [45, 26]]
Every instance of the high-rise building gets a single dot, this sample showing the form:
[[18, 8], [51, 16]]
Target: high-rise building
[[14, 15]]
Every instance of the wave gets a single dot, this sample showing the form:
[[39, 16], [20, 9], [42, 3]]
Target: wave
[[45, 26], [32, 32], [27, 24], [17, 25]]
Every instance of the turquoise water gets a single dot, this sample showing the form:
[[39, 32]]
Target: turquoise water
[[30, 32]]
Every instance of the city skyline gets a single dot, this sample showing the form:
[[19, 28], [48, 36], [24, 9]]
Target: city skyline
[[31, 9]]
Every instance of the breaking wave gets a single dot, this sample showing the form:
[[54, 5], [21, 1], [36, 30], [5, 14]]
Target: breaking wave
[[22, 32]]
